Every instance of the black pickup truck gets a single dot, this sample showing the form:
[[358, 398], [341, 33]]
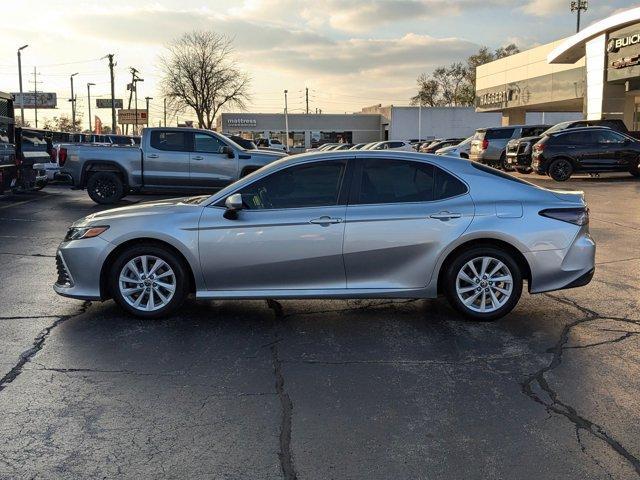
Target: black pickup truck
[[519, 150]]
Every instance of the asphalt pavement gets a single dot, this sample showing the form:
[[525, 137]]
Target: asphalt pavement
[[319, 389]]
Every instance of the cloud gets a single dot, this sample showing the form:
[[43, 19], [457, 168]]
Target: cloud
[[544, 8]]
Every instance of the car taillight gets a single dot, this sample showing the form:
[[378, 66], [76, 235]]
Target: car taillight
[[577, 216], [62, 156], [538, 147], [485, 144]]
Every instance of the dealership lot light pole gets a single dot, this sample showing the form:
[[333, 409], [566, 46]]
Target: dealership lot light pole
[[286, 121], [89, 103], [147, 100], [578, 6], [20, 82], [73, 104]]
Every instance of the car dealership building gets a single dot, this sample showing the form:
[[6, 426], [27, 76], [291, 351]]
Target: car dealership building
[[595, 72]]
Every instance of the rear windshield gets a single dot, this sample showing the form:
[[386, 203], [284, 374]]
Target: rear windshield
[[33, 141], [500, 174], [494, 134]]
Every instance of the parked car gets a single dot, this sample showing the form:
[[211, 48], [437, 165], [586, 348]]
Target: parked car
[[342, 146], [288, 231], [422, 148], [489, 145], [8, 169], [243, 142], [369, 146], [585, 150], [460, 150], [393, 145], [271, 143], [448, 142], [168, 159], [358, 146], [519, 151]]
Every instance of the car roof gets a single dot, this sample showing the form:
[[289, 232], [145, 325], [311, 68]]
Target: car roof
[[584, 129]]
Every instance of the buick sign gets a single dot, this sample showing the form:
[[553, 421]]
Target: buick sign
[[615, 44]]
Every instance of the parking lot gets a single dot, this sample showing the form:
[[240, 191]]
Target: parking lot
[[319, 389]]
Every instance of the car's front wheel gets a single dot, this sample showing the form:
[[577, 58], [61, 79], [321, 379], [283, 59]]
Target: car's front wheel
[[484, 283], [148, 281]]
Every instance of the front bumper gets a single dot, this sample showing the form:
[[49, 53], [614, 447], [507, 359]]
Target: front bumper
[[565, 268], [519, 160], [79, 267]]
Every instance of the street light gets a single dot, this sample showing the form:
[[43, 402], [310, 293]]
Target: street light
[[73, 104], [286, 121], [578, 6], [89, 103], [20, 81]]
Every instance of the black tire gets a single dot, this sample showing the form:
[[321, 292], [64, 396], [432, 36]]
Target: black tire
[[560, 170], [504, 164], [524, 171], [459, 263], [105, 187], [171, 259], [635, 171]]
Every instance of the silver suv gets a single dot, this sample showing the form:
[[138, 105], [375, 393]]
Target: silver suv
[[489, 144]]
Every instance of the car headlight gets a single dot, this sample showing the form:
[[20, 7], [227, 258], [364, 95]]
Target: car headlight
[[77, 233]]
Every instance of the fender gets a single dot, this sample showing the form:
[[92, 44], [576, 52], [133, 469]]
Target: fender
[[101, 166]]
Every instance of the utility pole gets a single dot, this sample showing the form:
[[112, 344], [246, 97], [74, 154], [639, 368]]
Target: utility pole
[[148, 118], [164, 112], [20, 81], [578, 6], [131, 87], [89, 104], [307, 98], [113, 96], [73, 104], [286, 120], [35, 94]]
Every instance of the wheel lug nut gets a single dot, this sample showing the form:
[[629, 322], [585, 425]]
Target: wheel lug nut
[[486, 290]]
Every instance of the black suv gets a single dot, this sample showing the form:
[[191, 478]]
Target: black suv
[[588, 150], [519, 150]]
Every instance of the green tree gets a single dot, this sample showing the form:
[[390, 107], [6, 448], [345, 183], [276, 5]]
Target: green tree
[[63, 124]]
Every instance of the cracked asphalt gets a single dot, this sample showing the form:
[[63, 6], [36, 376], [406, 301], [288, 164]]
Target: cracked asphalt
[[319, 389]]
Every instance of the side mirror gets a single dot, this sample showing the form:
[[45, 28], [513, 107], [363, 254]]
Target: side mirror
[[233, 203], [227, 150]]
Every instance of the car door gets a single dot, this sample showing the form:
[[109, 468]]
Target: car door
[[288, 237], [166, 158], [401, 215], [209, 166], [616, 151]]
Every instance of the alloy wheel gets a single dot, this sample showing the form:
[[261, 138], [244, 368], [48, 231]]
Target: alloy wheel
[[147, 283], [484, 284]]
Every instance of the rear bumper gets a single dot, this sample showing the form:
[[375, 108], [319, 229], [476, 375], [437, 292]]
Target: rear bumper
[[565, 268]]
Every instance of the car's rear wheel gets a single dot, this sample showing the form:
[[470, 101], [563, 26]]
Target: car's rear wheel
[[484, 283], [105, 187], [148, 281], [560, 170], [635, 170]]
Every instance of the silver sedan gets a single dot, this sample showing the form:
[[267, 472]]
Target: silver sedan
[[352, 224]]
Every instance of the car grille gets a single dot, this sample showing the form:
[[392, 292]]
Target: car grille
[[512, 148], [64, 277]]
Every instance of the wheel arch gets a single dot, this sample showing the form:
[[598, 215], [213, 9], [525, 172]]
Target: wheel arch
[[106, 265], [518, 256], [92, 166]]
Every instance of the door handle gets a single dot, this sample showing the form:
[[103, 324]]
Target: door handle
[[152, 155], [198, 157], [325, 220], [444, 216]]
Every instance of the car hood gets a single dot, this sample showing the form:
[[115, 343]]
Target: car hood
[[158, 207], [265, 153]]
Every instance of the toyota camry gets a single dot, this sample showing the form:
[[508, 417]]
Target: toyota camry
[[343, 224]]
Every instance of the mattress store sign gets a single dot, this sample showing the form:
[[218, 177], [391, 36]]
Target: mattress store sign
[[241, 122]]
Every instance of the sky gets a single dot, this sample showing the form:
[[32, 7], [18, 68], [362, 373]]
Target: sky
[[349, 53]]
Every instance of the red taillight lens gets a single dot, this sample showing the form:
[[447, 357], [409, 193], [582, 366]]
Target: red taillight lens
[[62, 156], [485, 144], [577, 216], [538, 147]]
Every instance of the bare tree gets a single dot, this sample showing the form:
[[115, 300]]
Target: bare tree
[[63, 124], [199, 72]]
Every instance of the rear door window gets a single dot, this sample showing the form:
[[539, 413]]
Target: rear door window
[[575, 138], [394, 181], [532, 131], [172, 141]]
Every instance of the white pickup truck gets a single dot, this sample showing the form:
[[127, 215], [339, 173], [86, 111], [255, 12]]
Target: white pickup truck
[[173, 159]]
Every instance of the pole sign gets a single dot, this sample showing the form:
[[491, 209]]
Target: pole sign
[[106, 102], [32, 100], [129, 116]]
